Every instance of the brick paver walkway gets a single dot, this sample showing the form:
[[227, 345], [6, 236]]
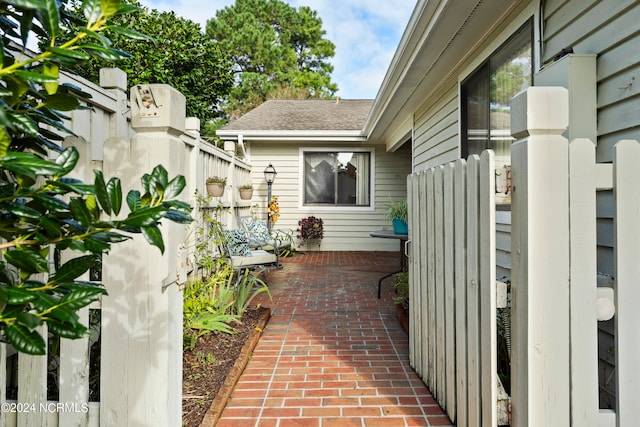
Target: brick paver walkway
[[332, 353]]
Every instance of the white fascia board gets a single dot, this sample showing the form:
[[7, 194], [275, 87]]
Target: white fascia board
[[294, 136]]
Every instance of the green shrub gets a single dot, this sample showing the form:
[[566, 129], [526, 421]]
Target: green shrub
[[41, 207], [401, 285]]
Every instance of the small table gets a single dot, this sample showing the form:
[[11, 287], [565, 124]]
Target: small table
[[389, 234]]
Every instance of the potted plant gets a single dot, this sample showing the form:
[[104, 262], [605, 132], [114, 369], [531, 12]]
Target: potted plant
[[246, 191], [398, 213], [310, 228], [401, 286], [215, 186]]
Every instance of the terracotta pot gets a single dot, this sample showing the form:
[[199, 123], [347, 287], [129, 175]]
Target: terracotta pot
[[215, 189], [403, 317], [246, 194]]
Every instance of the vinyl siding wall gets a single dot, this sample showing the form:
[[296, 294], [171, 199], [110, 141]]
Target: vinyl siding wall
[[436, 131], [610, 29], [344, 230]]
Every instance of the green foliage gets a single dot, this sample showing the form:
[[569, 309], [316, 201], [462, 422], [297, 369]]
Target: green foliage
[[179, 54], [212, 304], [401, 285], [209, 235], [275, 48], [40, 206], [248, 287], [207, 306], [507, 81], [398, 210]]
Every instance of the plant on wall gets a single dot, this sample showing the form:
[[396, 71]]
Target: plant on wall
[[310, 228]]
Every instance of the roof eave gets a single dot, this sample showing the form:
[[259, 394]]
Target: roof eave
[[438, 38], [293, 135]]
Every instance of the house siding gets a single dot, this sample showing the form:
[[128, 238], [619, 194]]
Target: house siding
[[436, 132], [344, 230], [609, 29]]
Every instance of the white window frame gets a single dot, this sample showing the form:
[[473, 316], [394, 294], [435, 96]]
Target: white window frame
[[334, 208]]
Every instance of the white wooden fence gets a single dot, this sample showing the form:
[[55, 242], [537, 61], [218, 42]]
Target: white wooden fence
[[140, 326], [453, 287], [556, 302]]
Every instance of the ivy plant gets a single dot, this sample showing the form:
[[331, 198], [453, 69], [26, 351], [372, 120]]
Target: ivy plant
[[41, 207]]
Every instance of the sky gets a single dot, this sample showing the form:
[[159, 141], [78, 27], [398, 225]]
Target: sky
[[366, 34]]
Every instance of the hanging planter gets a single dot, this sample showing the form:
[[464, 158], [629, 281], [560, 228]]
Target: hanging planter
[[215, 186], [246, 192]]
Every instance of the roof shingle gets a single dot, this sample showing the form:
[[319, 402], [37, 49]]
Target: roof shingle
[[305, 114]]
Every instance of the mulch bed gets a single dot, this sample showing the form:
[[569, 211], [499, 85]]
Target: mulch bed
[[212, 368]]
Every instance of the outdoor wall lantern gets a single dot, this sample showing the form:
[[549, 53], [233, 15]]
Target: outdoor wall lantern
[[269, 176]]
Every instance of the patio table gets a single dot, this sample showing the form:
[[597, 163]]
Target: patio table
[[402, 238]]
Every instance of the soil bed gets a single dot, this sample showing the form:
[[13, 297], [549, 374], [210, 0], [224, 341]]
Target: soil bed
[[205, 368]]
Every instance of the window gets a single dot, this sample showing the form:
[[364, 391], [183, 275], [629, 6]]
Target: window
[[336, 178], [486, 95]]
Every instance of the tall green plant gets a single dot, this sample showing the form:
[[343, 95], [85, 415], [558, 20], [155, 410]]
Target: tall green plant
[[246, 289], [40, 206], [207, 309]]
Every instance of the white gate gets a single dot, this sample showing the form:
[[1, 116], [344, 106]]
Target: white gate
[[453, 287]]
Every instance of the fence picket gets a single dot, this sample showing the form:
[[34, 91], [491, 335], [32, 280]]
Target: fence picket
[[487, 255], [449, 289], [473, 278], [415, 341], [430, 283], [439, 284], [3, 381], [424, 278], [414, 257], [74, 376], [31, 375], [627, 296], [582, 291], [460, 203]]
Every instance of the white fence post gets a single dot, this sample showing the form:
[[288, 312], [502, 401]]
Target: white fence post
[[540, 259], [142, 340]]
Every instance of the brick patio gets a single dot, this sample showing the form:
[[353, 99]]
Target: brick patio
[[332, 353]]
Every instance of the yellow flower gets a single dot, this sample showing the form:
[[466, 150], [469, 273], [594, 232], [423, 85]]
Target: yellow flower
[[273, 209]]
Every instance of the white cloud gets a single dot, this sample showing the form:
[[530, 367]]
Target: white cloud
[[366, 34]]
